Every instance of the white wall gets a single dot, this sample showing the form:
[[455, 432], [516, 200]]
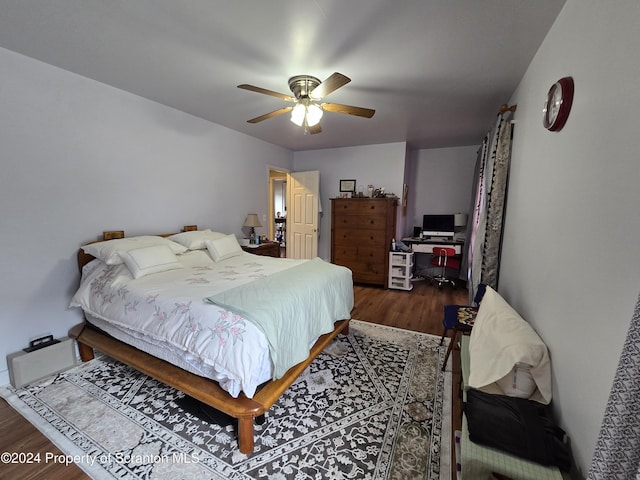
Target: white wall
[[440, 182], [79, 157], [570, 260], [378, 165]]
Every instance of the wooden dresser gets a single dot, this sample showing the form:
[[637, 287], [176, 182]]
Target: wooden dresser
[[361, 234]]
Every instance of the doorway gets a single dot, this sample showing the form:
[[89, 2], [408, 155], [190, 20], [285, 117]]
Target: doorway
[[278, 207]]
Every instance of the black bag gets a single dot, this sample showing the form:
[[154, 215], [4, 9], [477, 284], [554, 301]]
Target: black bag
[[518, 426]]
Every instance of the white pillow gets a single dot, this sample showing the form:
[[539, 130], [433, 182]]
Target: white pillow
[[146, 260], [195, 240], [501, 339], [225, 247], [518, 382], [108, 250]]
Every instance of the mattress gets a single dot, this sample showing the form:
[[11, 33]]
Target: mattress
[[165, 314]]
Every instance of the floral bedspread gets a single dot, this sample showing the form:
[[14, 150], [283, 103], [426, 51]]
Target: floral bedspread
[[168, 309]]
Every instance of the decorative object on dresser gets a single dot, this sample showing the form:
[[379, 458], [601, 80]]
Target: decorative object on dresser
[[268, 249], [361, 234], [348, 186]]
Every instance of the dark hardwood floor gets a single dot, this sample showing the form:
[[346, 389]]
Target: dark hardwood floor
[[419, 310]]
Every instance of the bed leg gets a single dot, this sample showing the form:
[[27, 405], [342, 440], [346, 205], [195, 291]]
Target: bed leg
[[345, 330], [86, 352], [245, 434]]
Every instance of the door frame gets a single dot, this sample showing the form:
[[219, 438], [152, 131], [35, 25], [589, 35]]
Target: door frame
[[274, 172]]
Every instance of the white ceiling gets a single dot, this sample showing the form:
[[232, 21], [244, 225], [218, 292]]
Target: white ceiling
[[435, 71]]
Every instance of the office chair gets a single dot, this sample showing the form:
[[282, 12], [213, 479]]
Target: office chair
[[444, 257], [460, 319]]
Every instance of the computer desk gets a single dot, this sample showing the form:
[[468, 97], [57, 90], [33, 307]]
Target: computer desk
[[427, 245]]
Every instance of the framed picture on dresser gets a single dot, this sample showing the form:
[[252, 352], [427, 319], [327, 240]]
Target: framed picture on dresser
[[347, 185]]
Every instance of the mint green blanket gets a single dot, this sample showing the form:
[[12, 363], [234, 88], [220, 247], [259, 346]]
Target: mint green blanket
[[293, 307]]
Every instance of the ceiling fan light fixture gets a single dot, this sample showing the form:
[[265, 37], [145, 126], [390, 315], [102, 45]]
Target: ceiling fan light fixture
[[305, 113], [308, 93], [314, 114], [298, 113]]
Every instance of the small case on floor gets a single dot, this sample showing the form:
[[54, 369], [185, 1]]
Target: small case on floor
[[40, 360]]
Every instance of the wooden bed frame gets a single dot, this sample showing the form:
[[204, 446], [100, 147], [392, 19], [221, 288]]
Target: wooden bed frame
[[244, 409]]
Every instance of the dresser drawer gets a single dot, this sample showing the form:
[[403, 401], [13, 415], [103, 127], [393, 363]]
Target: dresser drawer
[[348, 254], [360, 222], [363, 271], [344, 254], [360, 206], [369, 273], [342, 236], [363, 262]]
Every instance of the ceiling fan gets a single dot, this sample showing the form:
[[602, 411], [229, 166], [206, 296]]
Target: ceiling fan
[[307, 92]]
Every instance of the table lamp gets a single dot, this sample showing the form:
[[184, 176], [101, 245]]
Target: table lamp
[[252, 221], [460, 226], [460, 219]]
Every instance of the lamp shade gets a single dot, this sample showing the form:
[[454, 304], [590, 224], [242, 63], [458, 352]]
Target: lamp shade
[[314, 114], [298, 113], [252, 220], [306, 113], [460, 219]]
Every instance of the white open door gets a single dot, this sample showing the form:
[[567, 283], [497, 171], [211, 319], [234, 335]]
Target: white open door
[[303, 190]]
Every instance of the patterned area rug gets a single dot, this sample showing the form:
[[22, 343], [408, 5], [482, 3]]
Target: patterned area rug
[[373, 405]]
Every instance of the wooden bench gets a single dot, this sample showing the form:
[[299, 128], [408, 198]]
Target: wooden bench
[[480, 462]]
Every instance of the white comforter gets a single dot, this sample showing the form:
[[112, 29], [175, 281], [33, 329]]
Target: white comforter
[[167, 311]]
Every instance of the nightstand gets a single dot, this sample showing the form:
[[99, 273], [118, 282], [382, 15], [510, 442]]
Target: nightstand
[[268, 249]]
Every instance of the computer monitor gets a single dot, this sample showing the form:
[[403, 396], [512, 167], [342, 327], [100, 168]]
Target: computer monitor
[[438, 225]]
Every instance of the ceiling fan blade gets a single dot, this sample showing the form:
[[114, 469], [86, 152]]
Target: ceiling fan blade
[[315, 129], [253, 88], [348, 109], [275, 113], [331, 84]]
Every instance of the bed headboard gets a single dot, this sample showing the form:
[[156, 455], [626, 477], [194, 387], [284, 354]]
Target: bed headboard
[[84, 258]]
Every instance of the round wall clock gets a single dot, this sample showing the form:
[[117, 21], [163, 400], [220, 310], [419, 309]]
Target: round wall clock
[[558, 104]]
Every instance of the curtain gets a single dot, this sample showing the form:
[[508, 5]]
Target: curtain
[[617, 453], [474, 215], [487, 214], [496, 202]]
